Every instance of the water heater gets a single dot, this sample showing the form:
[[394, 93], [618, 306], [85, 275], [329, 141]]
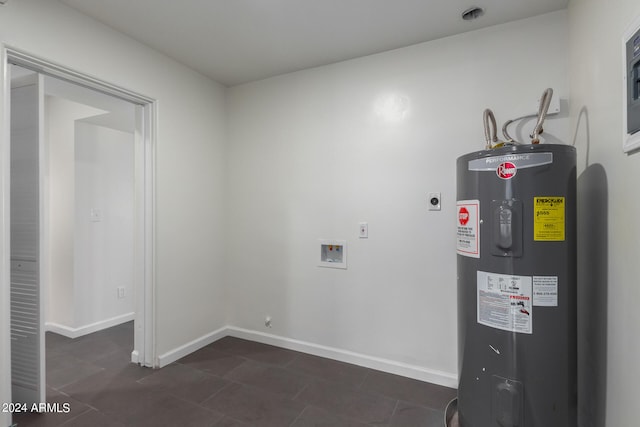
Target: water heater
[[517, 320]]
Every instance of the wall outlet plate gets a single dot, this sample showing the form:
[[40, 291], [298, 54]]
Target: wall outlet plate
[[433, 201]]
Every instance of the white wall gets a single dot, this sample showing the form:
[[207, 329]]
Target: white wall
[[60, 117], [90, 167], [612, 345], [189, 157], [309, 158], [103, 249]]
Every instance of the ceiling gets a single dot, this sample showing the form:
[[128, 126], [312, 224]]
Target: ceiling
[[238, 41]]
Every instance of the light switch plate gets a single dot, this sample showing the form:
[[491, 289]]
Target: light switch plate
[[363, 230], [96, 215]]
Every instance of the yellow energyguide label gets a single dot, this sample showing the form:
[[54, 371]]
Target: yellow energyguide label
[[548, 219]]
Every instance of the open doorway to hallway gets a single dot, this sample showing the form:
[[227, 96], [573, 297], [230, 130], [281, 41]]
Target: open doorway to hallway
[[73, 211], [80, 232]]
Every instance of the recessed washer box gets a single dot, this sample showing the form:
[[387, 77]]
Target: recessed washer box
[[333, 253]]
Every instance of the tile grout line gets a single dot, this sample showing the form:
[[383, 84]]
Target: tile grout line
[[298, 417], [75, 417], [198, 404], [395, 408], [230, 418], [295, 397], [60, 387], [364, 379], [216, 393], [224, 377], [289, 363]]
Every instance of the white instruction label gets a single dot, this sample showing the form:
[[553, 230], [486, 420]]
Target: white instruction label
[[504, 302], [545, 291], [468, 235]]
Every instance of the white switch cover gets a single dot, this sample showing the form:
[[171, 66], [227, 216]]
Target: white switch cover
[[363, 230], [96, 215]]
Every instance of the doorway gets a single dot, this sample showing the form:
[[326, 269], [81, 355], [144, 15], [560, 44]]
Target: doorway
[[106, 144]]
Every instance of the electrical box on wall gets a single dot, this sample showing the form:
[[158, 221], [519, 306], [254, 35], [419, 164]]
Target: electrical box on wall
[[333, 253], [631, 87]]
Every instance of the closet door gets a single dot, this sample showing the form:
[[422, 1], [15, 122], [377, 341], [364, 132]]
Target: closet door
[[27, 317]]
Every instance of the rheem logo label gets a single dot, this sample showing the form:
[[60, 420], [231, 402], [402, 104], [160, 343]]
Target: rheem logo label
[[506, 170]]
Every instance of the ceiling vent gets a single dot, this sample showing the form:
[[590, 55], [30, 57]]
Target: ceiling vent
[[472, 13]]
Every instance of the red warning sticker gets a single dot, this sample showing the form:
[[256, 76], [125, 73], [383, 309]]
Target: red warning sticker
[[468, 230], [463, 216]]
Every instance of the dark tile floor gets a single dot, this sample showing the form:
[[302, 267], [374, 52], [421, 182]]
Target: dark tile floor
[[231, 383]]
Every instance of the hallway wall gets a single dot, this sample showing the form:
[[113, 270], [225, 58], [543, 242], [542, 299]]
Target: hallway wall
[[60, 117], [104, 246]]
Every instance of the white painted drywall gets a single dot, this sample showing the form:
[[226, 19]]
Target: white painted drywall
[[103, 246], [611, 344], [60, 117], [90, 166], [189, 157], [311, 155]]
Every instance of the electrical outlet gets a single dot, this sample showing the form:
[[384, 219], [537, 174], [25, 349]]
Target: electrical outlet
[[121, 292], [434, 201], [267, 321]]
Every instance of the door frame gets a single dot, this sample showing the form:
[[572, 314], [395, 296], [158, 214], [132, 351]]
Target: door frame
[[144, 159]]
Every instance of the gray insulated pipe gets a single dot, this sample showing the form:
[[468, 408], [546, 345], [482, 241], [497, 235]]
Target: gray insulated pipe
[[517, 310]]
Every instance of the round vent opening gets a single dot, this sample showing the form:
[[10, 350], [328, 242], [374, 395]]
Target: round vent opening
[[472, 13]]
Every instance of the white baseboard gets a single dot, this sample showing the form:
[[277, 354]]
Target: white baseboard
[[446, 379], [70, 332], [188, 348], [433, 376]]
